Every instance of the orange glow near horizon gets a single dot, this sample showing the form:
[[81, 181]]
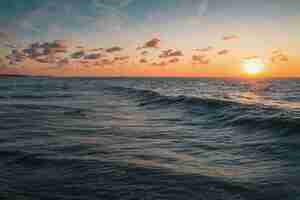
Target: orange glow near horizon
[[253, 67]]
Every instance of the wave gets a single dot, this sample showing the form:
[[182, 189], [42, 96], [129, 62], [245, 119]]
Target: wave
[[224, 111], [31, 97]]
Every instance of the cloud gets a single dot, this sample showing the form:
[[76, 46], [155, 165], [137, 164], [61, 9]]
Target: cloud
[[143, 60], [160, 64], [44, 60], [114, 49], [276, 51], [230, 37], [95, 50], [2, 63], [93, 56], [63, 62], [107, 62], [176, 53], [200, 59], [3, 35], [153, 43], [280, 57], [170, 53], [36, 50], [174, 60], [251, 57], [47, 52], [112, 4], [121, 58], [16, 56], [77, 55], [9, 45], [209, 48], [223, 52], [58, 46], [143, 53]]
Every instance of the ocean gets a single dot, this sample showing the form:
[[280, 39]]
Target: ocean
[[149, 138]]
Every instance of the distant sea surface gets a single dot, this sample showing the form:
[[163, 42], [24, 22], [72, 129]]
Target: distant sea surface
[[151, 138]]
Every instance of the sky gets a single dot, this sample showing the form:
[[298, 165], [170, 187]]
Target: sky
[[149, 37]]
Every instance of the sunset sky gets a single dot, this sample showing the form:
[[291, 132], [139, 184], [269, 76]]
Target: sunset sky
[[150, 37]]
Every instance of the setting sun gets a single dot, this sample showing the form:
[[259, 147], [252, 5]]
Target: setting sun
[[253, 66]]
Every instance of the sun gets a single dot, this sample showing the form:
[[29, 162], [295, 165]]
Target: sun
[[253, 66]]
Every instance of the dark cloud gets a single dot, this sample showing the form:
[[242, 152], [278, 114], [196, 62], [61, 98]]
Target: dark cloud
[[121, 58], [63, 62], [16, 56], [223, 52], [143, 53], [107, 62], [143, 60], [93, 56], [34, 50], [58, 46], [77, 55], [10, 46], [198, 57], [44, 60], [230, 37], [45, 52], [154, 43], [170, 53], [174, 60], [114, 49]]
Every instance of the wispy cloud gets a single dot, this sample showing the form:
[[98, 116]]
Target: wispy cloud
[[78, 54], [209, 48], [174, 60], [230, 37], [170, 53], [143, 60], [223, 52], [153, 43], [121, 58], [200, 59], [114, 49], [93, 56], [160, 64]]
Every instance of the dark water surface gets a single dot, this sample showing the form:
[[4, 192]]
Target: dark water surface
[[149, 138]]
